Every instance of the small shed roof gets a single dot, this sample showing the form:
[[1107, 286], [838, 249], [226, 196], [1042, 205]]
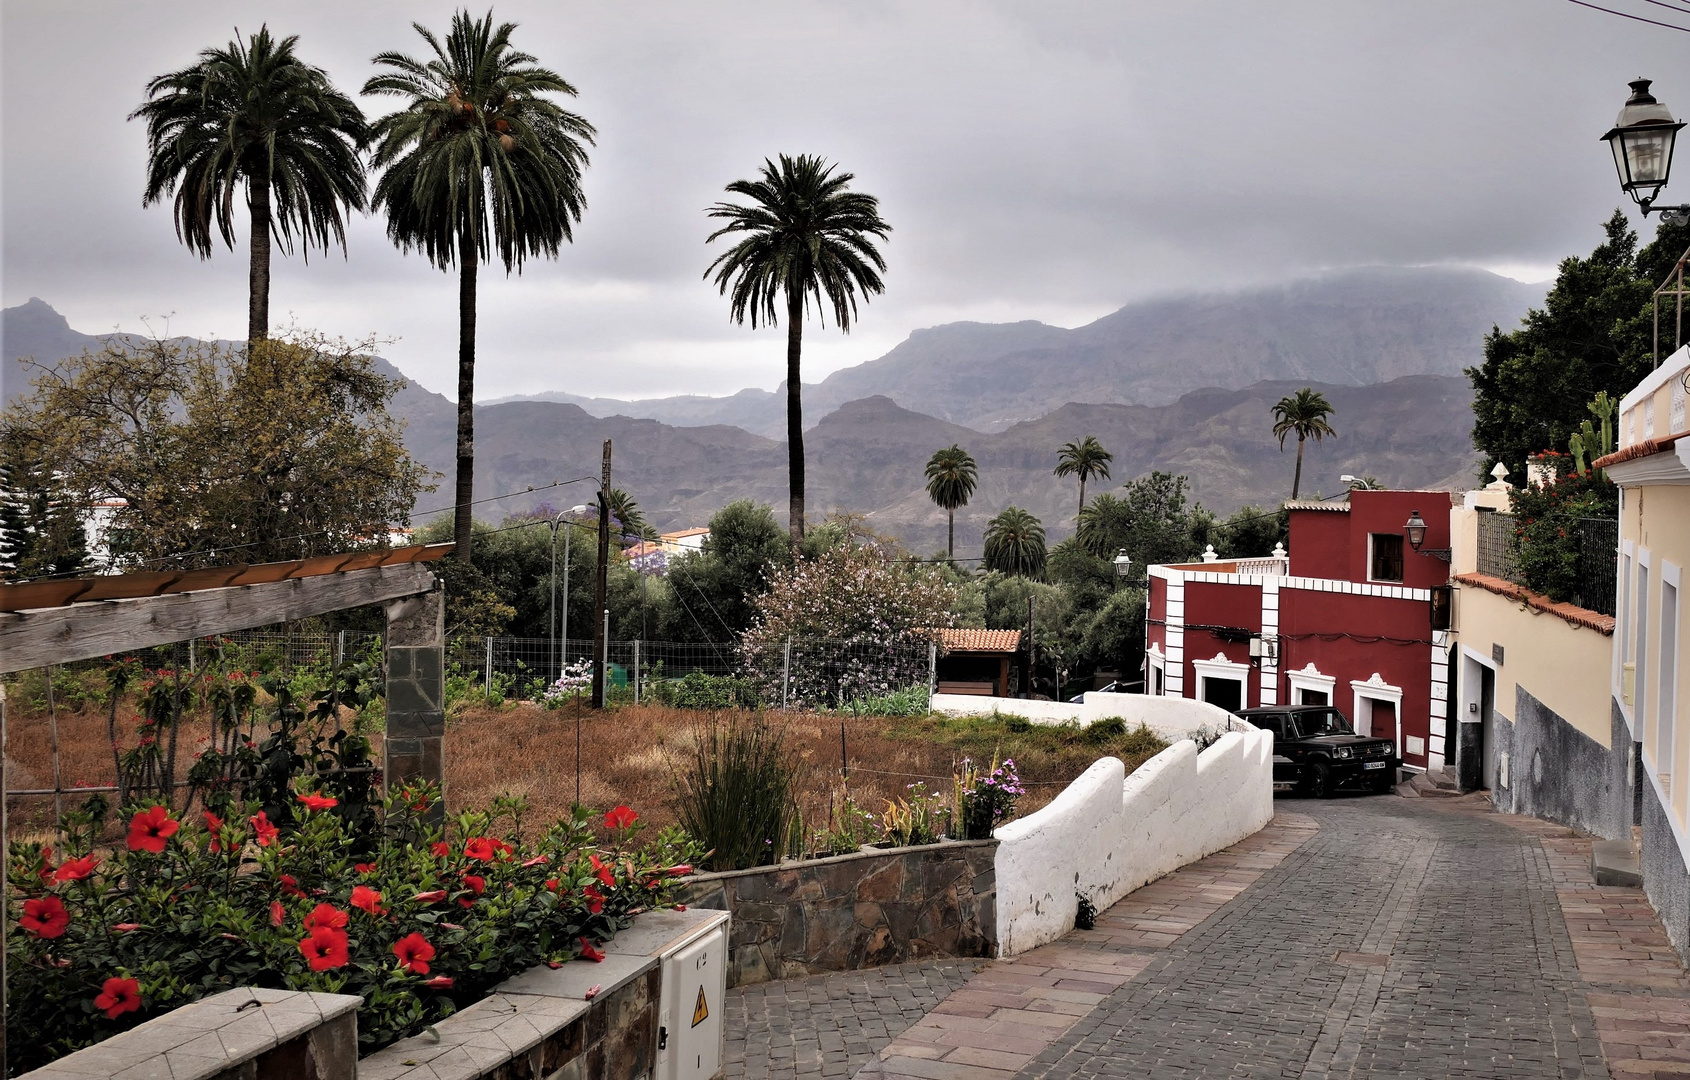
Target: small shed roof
[[968, 639]]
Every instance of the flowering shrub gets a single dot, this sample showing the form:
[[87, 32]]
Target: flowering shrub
[[1548, 541], [575, 680], [859, 623], [424, 921], [986, 798], [698, 690]]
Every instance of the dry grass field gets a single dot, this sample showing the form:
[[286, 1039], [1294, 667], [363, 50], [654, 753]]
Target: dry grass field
[[628, 754]]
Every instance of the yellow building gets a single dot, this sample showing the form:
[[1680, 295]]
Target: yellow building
[[1651, 655]]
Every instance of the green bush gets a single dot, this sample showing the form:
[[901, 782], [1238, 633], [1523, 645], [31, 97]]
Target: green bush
[[425, 923], [700, 691], [910, 701], [1100, 732], [1548, 544], [1018, 725], [735, 797]]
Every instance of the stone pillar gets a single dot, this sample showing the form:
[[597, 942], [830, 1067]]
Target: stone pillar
[[416, 689]]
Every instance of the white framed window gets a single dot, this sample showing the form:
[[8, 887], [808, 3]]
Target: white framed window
[[1155, 671], [1222, 682], [1384, 558], [1310, 687]]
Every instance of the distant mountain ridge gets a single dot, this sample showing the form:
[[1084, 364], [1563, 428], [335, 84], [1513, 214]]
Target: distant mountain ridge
[[867, 453], [1359, 327]]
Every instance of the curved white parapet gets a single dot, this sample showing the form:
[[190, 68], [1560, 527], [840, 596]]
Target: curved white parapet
[[1109, 833], [1169, 717]]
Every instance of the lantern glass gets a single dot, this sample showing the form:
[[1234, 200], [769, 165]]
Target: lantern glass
[[1648, 157], [1123, 564], [1415, 530]]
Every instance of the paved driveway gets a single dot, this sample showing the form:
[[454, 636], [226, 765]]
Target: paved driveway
[[1364, 937]]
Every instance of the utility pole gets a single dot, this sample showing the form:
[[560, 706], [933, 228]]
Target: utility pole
[[600, 675], [1027, 690]]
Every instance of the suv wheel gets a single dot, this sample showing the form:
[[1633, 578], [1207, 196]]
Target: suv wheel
[[1317, 780]]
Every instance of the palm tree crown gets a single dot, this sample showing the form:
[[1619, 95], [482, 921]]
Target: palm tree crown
[[1086, 459], [477, 162], [253, 115], [804, 238], [951, 476], [1015, 543], [1302, 414]]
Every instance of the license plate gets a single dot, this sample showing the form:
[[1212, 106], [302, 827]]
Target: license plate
[[1373, 764]]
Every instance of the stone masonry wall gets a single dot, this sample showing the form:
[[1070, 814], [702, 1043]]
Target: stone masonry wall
[[866, 909]]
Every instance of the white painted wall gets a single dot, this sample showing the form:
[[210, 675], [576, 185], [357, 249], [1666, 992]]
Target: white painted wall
[[1109, 833], [1170, 717]]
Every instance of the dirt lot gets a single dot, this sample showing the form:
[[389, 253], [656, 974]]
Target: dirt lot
[[628, 755]]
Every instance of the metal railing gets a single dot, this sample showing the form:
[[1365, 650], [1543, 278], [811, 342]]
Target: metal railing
[[1596, 542]]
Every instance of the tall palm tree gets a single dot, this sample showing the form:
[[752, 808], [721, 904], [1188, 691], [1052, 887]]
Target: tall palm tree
[[478, 161], [951, 476], [806, 238], [1015, 543], [254, 115], [1086, 459], [626, 514], [1303, 414]]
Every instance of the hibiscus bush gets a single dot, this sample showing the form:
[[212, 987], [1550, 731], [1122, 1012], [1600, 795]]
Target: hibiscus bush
[[1550, 527], [423, 922]]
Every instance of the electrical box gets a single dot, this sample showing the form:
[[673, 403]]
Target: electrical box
[[695, 981]]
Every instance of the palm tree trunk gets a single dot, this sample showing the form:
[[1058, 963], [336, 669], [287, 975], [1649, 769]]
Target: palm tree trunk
[[1297, 477], [950, 533], [258, 273], [1082, 508], [468, 260], [795, 416]]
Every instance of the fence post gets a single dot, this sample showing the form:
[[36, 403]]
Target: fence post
[[489, 679], [636, 671], [191, 660], [340, 647], [785, 671], [932, 672]]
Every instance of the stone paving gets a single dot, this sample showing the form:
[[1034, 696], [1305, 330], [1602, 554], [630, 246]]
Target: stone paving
[[1364, 937]]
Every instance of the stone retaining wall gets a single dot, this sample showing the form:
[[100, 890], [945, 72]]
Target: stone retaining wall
[[866, 909]]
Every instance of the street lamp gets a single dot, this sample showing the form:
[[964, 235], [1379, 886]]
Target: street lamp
[[1415, 530], [1123, 566], [1642, 142], [552, 620]]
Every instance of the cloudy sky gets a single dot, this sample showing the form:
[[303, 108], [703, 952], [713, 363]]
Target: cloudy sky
[[1043, 161]]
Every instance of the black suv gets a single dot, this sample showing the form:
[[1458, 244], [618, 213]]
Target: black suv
[[1316, 749]]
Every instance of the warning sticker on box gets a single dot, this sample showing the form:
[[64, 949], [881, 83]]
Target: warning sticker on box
[[701, 1011]]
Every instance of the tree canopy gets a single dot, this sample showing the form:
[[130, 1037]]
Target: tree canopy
[[951, 478], [1015, 544]]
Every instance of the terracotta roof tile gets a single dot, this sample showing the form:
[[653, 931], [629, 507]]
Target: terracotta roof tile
[[968, 639], [1591, 620], [1637, 450]]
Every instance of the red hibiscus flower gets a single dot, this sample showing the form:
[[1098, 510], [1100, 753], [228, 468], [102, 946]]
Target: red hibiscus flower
[[551, 883], [266, 831], [620, 818], [538, 860], [76, 869], [149, 829], [324, 948], [125, 927], [678, 870], [313, 801], [440, 849], [439, 982], [119, 995], [277, 913], [213, 824], [479, 848], [414, 953], [326, 915], [290, 885], [44, 918], [590, 953], [595, 899], [367, 899], [680, 907], [46, 871], [603, 872], [433, 896], [476, 884], [364, 867]]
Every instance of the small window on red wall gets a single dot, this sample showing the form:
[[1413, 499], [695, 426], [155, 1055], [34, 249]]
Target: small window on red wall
[[1387, 557]]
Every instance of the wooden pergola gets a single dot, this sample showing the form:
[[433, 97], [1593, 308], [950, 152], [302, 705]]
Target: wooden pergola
[[65, 620]]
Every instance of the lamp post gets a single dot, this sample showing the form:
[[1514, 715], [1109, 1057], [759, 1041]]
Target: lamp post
[[1415, 530], [1642, 141], [1123, 566], [558, 660]]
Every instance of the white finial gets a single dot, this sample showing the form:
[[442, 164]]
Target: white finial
[[1500, 471], [1209, 554], [1279, 551]]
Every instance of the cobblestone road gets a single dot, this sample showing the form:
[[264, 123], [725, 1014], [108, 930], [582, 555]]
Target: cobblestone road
[[829, 1025], [1402, 940]]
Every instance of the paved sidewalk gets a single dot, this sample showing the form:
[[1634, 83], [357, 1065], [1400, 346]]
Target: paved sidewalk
[[1012, 1010]]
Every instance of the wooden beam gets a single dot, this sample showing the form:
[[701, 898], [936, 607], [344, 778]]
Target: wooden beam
[[84, 631]]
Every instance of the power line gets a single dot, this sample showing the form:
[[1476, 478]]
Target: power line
[[1628, 15]]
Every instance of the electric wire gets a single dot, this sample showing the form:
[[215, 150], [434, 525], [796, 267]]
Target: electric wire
[[1628, 15]]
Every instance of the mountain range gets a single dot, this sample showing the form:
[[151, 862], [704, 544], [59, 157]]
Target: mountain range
[[1181, 385]]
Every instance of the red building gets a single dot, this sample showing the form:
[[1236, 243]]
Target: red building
[[1345, 619]]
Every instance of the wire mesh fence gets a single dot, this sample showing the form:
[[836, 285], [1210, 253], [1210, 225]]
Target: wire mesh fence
[[1496, 547], [1594, 575]]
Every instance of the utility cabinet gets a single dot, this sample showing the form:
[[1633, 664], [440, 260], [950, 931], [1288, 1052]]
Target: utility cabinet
[[692, 947]]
